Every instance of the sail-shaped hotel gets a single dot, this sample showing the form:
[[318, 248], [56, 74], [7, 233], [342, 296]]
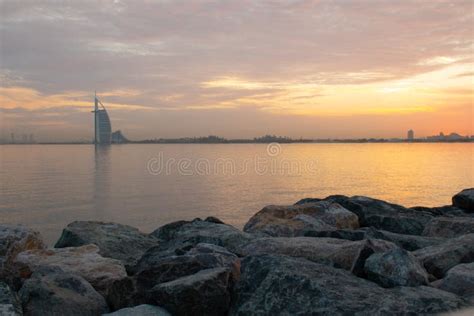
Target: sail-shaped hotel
[[102, 126]]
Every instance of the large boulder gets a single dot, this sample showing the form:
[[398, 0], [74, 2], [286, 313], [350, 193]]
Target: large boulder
[[465, 200], [449, 227], [204, 293], [84, 261], [182, 234], [141, 310], [459, 280], [13, 240], [280, 285], [156, 267], [116, 241], [438, 259], [396, 267], [51, 291], [339, 253], [294, 220], [407, 242], [9, 302], [380, 214]]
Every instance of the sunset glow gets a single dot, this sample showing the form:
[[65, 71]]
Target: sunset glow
[[394, 65]]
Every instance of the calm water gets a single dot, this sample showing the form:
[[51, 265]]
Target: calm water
[[48, 186]]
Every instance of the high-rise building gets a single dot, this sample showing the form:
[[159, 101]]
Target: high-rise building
[[411, 135], [102, 126]]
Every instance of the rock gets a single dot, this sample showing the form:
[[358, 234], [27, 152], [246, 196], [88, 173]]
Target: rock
[[204, 293], [339, 253], [293, 220], [157, 267], [346, 234], [13, 240], [459, 280], [154, 268], [447, 210], [84, 261], [116, 241], [438, 259], [381, 215], [123, 294], [449, 227], [212, 219], [465, 200], [9, 301], [51, 291], [396, 267], [7, 310], [280, 285], [407, 242], [142, 310], [182, 234]]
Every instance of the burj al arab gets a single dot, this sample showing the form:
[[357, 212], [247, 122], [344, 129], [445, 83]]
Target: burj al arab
[[102, 126]]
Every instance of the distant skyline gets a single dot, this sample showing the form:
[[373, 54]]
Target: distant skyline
[[237, 69]]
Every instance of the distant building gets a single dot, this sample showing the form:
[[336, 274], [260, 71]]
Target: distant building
[[118, 138], [411, 135], [451, 137], [102, 126], [455, 136]]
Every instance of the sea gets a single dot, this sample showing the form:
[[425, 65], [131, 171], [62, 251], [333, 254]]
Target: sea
[[46, 187]]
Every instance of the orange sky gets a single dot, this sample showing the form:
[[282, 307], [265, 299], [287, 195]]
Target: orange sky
[[238, 68]]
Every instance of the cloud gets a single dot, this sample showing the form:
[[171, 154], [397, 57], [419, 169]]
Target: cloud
[[286, 57], [31, 99]]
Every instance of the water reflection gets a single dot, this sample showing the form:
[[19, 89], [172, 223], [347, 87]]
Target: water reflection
[[101, 178]]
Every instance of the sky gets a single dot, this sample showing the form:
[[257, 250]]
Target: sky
[[237, 69]]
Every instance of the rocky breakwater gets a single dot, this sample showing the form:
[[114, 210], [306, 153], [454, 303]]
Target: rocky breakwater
[[333, 256]]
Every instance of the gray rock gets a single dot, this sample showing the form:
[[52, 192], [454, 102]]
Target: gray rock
[[438, 259], [339, 253], [157, 267], [204, 293], [9, 302], [7, 310], [83, 261], [459, 280], [141, 310], [446, 210], [154, 268], [51, 291], [381, 215], [179, 235], [294, 220], [346, 234], [116, 241], [13, 240], [449, 227], [395, 267], [465, 200], [280, 285], [407, 242], [123, 293]]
